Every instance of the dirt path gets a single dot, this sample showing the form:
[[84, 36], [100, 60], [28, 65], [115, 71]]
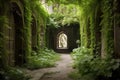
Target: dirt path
[[60, 72]]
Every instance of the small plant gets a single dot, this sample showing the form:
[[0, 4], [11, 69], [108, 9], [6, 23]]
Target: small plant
[[13, 74], [45, 58]]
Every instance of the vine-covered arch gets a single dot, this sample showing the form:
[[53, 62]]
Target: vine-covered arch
[[16, 39]]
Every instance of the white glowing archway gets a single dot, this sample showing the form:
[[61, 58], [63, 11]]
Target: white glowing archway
[[62, 41]]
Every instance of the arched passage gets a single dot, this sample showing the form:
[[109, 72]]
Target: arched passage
[[62, 41], [69, 33]]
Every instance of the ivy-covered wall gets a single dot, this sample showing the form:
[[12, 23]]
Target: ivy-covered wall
[[89, 24], [97, 20], [99, 23], [96, 28], [27, 9], [107, 27]]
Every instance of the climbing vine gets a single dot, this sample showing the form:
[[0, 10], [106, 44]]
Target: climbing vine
[[27, 29], [95, 18], [107, 25], [41, 16], [33, 9], [63, 15], [88, 23]]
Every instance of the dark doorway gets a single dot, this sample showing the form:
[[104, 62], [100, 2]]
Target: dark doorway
[[34, 34], [18, 25]]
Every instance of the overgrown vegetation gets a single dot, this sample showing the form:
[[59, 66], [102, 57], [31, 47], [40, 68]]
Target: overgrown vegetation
[[13, 74], [35, 10], [107, 26], [63, 15], [27, 29], [44, 58], [96, 17], [93, 67], [28, 10], [94, 58]]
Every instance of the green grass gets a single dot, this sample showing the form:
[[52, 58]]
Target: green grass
[[74, 75]]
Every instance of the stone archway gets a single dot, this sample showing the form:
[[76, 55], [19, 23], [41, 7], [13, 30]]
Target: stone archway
[[72, 33], [62, 41], [18, 34]]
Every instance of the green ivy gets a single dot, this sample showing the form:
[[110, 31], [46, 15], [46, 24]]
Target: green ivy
[[63, 15], [86, 14], [41, 16], [92, 67], [27, 29], [13, 73], [107, 25], [44, 58], [36, 10], [90, 22]]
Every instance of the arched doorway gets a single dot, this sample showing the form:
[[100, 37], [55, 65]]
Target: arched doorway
[[18, 34], [62, 41], [69, 35]]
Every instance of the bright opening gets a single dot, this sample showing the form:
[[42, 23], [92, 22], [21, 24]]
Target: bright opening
[[62, 41]]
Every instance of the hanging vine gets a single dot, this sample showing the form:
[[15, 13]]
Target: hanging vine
[[27, 29]]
